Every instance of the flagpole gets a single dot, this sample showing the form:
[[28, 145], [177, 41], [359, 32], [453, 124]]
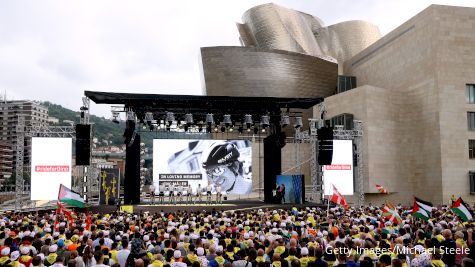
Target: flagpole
[[328, 206]]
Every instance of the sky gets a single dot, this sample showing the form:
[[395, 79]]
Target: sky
[[55, 50]]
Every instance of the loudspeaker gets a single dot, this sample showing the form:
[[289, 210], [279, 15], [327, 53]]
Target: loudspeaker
[[272, 163], [325, 145], [132, 172], [83, 144]]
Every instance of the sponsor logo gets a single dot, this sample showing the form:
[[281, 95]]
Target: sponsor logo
[[51, 168], [225, 158], [338, 167]]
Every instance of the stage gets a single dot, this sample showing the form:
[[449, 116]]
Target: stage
[[200, 207]]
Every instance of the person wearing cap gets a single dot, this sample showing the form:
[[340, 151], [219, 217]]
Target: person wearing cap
[[304, 259], [200, 252], [421, 258], [51, 258], [177, 260], [5, 256], [14, 259], [219, 260], [25, 258]]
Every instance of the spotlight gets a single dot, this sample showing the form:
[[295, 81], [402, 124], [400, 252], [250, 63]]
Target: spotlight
[[227, 120], [298, 122], [248, 120], [149, 118], [189, 119], [130, 116], [209, 119], [170, 117], [248, 130], [230, 129], [265, 121], [223, 129], [263, 130], [284, 120], [115, 117], [216, 129]]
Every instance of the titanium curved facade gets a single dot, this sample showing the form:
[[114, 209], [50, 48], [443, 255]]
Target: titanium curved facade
[[276, 27], [271, 26], [249, 71], [344, 40]]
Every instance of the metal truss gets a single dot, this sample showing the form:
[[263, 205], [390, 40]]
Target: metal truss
[[339, 134]]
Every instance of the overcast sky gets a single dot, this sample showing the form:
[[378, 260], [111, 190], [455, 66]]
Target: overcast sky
[[54, 50]]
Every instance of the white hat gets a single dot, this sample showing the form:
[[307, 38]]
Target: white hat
[[246, 235], [53, 248], [117, 238], [25, 250], [177, 254], [219, 249], [166, 235], [200, 251], [304, 251], [14, 256], [146, 238], [5, 251], [42, 256]]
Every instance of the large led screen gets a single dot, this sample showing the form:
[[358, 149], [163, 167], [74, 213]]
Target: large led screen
[[224, 165], [340, 172], [50, 166]]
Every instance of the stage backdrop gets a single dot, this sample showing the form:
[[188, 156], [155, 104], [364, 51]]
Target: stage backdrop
[[340, 173], [180, 162], [109, 186], [294, 185], [50, 166]]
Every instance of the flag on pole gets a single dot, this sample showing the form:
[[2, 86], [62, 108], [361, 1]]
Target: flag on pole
[[381, 189], [390, 213], [337, 198], [422, 209], [461, 209], [69, 197]]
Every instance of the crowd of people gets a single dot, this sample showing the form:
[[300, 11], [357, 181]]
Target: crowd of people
[[306, 237]]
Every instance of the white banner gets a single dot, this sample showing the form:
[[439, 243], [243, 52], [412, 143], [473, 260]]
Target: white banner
[[340, 173], [50, 166]]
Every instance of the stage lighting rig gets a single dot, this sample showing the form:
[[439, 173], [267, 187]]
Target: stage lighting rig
[[298, 122], [227, 120], [248, 120], [115, 117], [284, 120], [149, 118], [265, 121], [170, 118]]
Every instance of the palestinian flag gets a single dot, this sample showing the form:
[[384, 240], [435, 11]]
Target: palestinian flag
[[461, 209], [381, 189], [69, 197], [390, 213], [422, 209]]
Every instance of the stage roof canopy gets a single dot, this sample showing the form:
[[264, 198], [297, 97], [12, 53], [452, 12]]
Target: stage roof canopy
[[140, 103]]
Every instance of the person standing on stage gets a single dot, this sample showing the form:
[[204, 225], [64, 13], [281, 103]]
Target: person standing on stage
[[282, 193], [218, 194], [151, 189], [189, 193], [208, 194], [198, 192], [161, 195]]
